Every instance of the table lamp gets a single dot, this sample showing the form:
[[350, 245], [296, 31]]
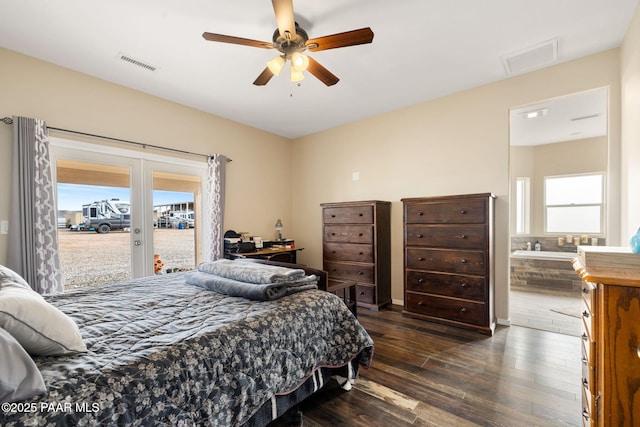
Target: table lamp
[[278, 229]]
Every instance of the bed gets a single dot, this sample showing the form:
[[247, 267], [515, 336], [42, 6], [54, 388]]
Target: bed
[[161, 351]]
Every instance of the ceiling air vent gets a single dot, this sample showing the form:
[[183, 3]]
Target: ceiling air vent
[[590, 116], [531, 58], [137, 62]]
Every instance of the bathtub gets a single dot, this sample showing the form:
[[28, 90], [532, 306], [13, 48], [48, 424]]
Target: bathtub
[[545, 255], [542, 271]]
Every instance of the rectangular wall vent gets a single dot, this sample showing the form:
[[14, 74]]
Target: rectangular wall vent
[[531, 58], [137, 62]]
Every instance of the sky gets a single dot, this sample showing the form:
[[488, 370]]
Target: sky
[[71, 197]]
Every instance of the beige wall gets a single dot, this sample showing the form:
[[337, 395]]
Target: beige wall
[[630, 155], [70, 100], [453, 145], [456, 144], [562, 158]]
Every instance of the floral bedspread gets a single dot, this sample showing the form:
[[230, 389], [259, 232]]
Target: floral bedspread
[[162, 352]]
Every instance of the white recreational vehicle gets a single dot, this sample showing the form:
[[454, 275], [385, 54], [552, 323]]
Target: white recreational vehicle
[[106, 215]]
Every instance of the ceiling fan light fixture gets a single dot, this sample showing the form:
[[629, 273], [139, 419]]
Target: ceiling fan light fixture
[[292, 41], [299, 62], [276, 65], [296, 75]]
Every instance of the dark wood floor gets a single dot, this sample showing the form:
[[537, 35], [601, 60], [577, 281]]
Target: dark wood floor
[[426, 374]]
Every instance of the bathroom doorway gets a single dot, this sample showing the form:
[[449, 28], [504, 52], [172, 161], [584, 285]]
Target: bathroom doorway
[[552, 143]]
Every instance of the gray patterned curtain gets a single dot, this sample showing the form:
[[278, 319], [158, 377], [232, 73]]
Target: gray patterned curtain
[[214, 242], [33, 236]]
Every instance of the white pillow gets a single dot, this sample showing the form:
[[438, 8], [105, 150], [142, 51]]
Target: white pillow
[[19, 377], [8, 275], [41, 328]]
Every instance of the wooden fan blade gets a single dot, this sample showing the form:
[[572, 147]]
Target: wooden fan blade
[[321, 73], [349, 38], [236, 40], [284, 17], [264, 77]]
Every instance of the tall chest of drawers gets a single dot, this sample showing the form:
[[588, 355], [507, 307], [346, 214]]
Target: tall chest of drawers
[[356, 247], [448, 260], [610, 346]]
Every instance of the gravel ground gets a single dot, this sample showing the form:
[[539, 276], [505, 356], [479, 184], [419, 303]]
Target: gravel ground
[[90, 259]]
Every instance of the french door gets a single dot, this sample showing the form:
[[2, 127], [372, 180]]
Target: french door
[[177, 216], [146, 191]]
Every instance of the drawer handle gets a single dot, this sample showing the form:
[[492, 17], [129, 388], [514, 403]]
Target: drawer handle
[[464, 237], [584, 361], [334, 270], [420, 213], [464, 261], [333, 252], [463, 211], [421, 280], [361, 253], [333, 215], [585, 291], [420, 303], [585, 414], [585, 382], [333, 234], [420, 236], [420, 258], [463, 310], [584, 336], [463, 284], [361, 292], [585, 314], [360, 273], [360, 234], [360, 214]]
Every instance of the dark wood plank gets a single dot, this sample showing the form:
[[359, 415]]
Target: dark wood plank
[[429, 374]]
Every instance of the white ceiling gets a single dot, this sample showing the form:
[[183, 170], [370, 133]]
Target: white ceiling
[[577, 116], [422, 49]]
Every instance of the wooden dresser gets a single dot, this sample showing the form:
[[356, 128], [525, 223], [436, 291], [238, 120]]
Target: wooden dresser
[[610, 346], [448, 260], [356, 247]]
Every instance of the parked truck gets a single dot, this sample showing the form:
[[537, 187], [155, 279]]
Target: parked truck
[[106, 215]]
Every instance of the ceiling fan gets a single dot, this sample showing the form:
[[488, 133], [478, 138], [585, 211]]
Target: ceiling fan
[[291, 41]]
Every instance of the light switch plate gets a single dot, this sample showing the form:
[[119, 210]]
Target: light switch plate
[[4, 227]]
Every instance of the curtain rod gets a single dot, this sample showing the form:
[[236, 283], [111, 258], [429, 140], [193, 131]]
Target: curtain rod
[[9, 120]]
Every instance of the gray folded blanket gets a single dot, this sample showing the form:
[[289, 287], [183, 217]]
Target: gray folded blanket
[[273, 284], [251, 272]]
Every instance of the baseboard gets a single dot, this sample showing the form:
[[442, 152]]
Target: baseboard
[[504, 322]]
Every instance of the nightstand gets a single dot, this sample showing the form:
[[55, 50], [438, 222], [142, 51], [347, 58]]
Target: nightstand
[[346, 290]]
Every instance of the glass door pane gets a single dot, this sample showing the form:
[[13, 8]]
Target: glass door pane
[[177, 201], [94, 220]]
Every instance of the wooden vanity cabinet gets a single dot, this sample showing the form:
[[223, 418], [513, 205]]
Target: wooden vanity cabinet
[[610, 346]]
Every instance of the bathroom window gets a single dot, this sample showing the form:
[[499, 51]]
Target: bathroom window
[[574, 203], [522, 205]]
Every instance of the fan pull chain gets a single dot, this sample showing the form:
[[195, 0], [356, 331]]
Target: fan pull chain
[[291, 93]]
